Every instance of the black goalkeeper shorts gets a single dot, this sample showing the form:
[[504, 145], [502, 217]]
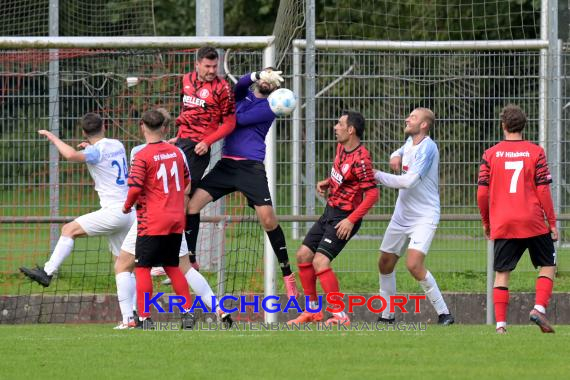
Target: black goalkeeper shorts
[[246, 176]]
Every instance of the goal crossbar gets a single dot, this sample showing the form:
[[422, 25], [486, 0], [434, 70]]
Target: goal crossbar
[[426, 45], [7, 42]]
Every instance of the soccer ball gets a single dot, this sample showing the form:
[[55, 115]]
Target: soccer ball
[[282, 102]]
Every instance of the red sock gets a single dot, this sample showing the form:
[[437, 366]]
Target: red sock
[[179, 284], [329, 282], [308, 280], [543, 290], [144, 285], [501, 301]]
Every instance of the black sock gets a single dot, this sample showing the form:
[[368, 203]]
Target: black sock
[[191, 234], [277, 239]]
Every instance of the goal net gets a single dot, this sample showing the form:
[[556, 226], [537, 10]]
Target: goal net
[[35, 205]]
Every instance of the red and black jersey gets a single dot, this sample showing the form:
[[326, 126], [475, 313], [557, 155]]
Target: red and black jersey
[[518, 195], [159, 175], [208, 109], [351, 176]]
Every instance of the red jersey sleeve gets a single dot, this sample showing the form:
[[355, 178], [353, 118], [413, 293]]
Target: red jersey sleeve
[[542, 174], [484, 171], [364, 174], [225, 100], [483, 189]]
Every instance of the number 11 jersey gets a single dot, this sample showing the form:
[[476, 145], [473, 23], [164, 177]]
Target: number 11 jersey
[[513, 169], [160, 170]]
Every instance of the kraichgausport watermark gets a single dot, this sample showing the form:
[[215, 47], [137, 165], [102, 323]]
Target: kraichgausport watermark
[[272, 304], [282, 326]]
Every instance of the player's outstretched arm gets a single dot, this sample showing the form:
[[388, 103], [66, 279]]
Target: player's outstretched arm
[[396, 160], [67, 151], [395, 164], [227, 125], [271, 76], [403, 181]]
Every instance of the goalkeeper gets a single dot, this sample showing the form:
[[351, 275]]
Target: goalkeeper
[[241, 167]]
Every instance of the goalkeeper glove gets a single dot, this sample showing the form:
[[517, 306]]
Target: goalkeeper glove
[[272, 77]]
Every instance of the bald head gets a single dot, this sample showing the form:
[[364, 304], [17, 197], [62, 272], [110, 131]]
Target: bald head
[[426, 115]]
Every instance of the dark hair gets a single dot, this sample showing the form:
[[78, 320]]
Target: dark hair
[[165, 114], [356, 120], [153, 120], [207, 52], [92, 124], [513, 118]]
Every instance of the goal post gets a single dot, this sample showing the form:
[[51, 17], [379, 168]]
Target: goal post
[[55, 48], [548, 99]]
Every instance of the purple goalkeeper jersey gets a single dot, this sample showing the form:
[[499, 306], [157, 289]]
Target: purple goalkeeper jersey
[[254, 118]]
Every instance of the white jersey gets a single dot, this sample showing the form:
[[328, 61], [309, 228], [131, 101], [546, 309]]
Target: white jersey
[[107, 164], [135, 150], [419, 204]]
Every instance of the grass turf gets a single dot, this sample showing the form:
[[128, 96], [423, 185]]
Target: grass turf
[[459, 351]]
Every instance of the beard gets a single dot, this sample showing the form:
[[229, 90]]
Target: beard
[[264, 89]]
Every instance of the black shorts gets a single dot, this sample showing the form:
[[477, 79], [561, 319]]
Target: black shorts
[[246, 176], [322, 236], [158, 250], [509, 251], [196, 164]]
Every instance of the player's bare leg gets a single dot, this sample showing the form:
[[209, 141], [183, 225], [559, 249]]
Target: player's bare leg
[[126, 288], [62, 250], [415, 264], [269, 223], [386, 265], [199, 200]]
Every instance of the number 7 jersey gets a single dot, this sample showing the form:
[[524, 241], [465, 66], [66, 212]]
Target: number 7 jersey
[[512, 169]]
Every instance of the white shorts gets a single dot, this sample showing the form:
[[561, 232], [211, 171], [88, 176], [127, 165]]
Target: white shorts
[[110, 222], [130, 242], [396, 236]]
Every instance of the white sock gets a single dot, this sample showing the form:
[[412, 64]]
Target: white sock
[[62, 249], [387, 289], [340, 314], [502, 324], [200, 286], [125, 290], [540, 308], [134, 285], [433, 294]]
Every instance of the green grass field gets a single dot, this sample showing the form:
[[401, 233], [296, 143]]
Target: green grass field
[[455, 352]]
